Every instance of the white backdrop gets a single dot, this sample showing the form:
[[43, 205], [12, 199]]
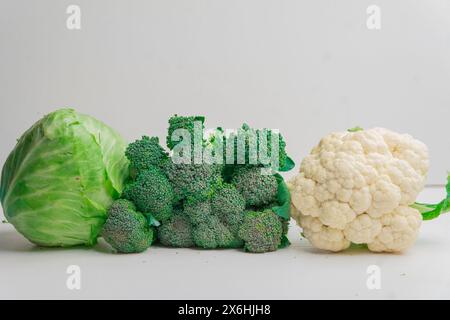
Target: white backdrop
[[305, 67]]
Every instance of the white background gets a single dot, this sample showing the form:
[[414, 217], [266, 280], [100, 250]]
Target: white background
[[297, 272], [304, 67]]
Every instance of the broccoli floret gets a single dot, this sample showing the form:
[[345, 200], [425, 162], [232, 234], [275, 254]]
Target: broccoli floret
[[177, 232], [208, 230], [212, 233], [246, 134], [181, 122], [261, 231], [125, 229], [196, 225], [196, 210], [193, 180], [258, 189], [229, 205], [144, 153], [152, 193]]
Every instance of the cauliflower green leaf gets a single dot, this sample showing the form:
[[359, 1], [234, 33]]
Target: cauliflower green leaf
[[432, 211]]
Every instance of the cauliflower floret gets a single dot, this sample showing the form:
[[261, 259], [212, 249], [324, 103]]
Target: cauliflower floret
[[303, 197], [405, 147], [360, 200], [363, 229], [321, 236], [385, 197], [357, 187], [399, 231], [336, 214]]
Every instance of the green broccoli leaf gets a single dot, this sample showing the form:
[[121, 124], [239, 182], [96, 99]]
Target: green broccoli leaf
[[151, 220], [284, 242], [283, 198], [288, 165], [432, 211]]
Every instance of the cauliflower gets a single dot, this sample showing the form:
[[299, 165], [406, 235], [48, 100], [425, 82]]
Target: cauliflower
[[359, 187]]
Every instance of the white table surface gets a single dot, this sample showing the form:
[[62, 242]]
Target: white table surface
[[297, 272]]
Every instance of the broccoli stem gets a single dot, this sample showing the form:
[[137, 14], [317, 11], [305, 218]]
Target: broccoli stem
[[431, 211]]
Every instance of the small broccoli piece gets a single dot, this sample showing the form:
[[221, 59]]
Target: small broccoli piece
[[188, 123], [261, 231], [198, 211], [192, 180], [228, 204], [208, 229], [258, 189], [145, 153], [125, 229], [177, 232], [212, 233], [152, 193], [246, 134]]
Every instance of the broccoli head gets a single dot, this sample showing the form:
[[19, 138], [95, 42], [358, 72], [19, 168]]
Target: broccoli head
[[193, 180], [181, 122], [152, 193], [261, 231], [177, 231], [263, 145], [127, 230], [229, 205], [257, 189], [195, 225], [145, 153], [212, 233], [197, 210]]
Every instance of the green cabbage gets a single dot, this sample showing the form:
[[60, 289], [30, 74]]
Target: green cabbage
[[61, 177]]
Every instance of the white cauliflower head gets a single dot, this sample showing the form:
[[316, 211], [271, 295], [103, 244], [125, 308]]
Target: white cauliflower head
[[356, 187]]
